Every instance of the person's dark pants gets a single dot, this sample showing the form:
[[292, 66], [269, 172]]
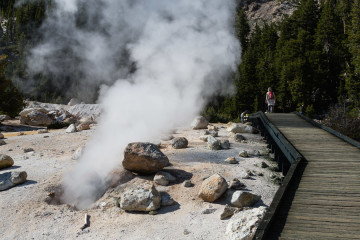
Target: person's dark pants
[[270, 108]]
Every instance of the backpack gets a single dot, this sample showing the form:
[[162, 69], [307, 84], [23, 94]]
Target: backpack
[[271, 95]]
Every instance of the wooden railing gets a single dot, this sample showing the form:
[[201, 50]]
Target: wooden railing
[[288, 159]]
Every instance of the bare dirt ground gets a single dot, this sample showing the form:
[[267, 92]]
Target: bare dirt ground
[[24, 213]]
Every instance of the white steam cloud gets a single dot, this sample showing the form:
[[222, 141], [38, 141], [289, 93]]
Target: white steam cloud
[[161, 59]]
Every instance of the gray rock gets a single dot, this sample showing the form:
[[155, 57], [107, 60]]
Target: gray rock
[[199, 123], [228, 212], [236, 184], [144, 199], [2, 142], [212, 188], [213, 133], [213, 143], [255, 153], [11, 179], [213, 128], [208, 211], [71, 129], [161, 180], [26, 150], [187, 183], [144, 158], [238, 137], [5, 161], [240, 128], [231, 160], [78, 153], [225, 144], [243, 224], [179, 142], [244, 175], [244, 199], [243, 154]]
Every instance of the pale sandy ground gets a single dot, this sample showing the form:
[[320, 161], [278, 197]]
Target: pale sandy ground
[[25, 215]]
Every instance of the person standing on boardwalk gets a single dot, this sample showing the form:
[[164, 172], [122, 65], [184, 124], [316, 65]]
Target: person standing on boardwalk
[[270, 99]]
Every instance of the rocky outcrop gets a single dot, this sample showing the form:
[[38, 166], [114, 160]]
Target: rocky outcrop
[[212, 188], [5, 161], [11, 179], [144, 199], [243, 225], [199, 123], [179, 142], [244, 199], [144, 158]]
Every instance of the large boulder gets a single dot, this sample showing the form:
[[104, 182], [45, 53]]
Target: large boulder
[[199, 123], [240, 128], [11, 179], [179, 142], [5, 161], [212, 188], [144, 158], [243, 224], [36, 117], [244, 199], [137, 198]]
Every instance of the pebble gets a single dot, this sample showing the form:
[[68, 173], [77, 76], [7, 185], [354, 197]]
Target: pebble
[[187, 183]]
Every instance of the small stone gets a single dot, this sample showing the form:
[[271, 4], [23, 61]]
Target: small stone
[[228, 212], [1, 136], [186, 232], [20, 134], [238, 137], [264, 165], [213, 143], [187, 183], [83, 126], [236, 184], [161, 180], [199, 123], [153, 212], [274, 168], [225, 144], [42, 131], [244, 175], [243, 154], [78, 153], [26, 150], [46, 136], [249, 172], [179, 142], [208, 211], [212, 127], [5, 161], [2, 142], [256, 153], [71, 129], [231, 160], [213, 133]]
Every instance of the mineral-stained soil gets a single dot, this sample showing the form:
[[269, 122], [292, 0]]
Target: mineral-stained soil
[[31, 210]]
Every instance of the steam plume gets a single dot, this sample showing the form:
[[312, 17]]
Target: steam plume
[[160, 60]]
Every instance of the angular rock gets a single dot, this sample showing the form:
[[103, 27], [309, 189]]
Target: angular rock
[[243, 225], [144, 199], [228, 212], [213, 133], [5, 161], [11, 179], [35, 117], [208, 210], [236, 184], [225, 144], [213, 143], [244, 175], [26, 150], [144, 158], [71, 129], [264, 165], [179, 142], [255, 153], [244, 199], [78, 153], [166, 199], [243, 154], [212, 188], [199, 123], [231, 160], [238, 137]]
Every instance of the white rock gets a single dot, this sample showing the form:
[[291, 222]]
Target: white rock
[[199, 123], [140, 199], [244, 199], [78, 153], [243, 225], [71, 129]]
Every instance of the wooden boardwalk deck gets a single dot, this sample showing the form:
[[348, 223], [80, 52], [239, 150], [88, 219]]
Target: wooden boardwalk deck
[[324, 203]]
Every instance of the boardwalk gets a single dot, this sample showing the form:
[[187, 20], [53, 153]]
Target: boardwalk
[[325, 201]]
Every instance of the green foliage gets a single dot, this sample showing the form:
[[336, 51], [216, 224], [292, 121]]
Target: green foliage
[[11, 101]]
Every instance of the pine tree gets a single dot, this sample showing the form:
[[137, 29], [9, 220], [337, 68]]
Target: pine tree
[[242, 28]]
